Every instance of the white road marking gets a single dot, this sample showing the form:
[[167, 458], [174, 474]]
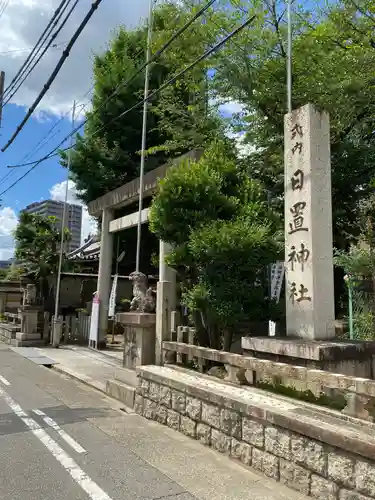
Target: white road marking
[[4, 380], [80, 477], [64, 435]]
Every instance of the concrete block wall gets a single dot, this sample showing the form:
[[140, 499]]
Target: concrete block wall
[[314, 467]]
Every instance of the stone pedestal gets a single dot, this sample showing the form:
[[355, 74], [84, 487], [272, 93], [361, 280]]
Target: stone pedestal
[[139, 338], [28, 336], [29, 319]]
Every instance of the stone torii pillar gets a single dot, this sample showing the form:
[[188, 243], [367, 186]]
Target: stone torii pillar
[[104, 277], [308, 225]]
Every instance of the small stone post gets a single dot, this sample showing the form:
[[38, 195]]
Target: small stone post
[[308, 225], [166, 295]]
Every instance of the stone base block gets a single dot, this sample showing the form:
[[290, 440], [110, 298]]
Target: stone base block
[[8, 332], [136, 318], [139, 339], [120, 391], [27, 343], [27, 336]]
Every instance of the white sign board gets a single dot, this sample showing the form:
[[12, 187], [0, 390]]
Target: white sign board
[[112, 298], [271, 328], [94, 323], [277, 276]]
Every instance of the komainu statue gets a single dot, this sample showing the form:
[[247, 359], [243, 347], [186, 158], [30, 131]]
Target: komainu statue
[[143, 297]]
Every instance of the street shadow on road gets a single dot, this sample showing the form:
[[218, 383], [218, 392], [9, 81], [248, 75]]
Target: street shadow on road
[[62, 415]]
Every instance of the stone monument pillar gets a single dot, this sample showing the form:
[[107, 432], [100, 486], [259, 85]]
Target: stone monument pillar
[[308, 225], [309, 291]]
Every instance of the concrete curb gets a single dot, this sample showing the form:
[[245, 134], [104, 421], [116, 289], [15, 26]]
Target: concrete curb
[[129, 410], [78, 378]]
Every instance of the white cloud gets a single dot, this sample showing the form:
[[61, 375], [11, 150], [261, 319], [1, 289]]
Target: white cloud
[[24, 21], [243, 147], [231, 108], [57, 192], [8, 222], [9, 219]]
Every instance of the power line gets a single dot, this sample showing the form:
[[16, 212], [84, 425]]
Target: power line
[[43, 141], [46, 138], [4, 6], [41, 40], [55, 72], [26, 49], [201, 58], [18, 84], [153, 58]]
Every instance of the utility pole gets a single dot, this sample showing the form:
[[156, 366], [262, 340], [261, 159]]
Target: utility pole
[[144, 134], [289, 58], [2, 81], [56, 332]]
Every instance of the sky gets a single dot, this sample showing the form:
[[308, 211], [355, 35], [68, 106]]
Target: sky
[[21, 24]]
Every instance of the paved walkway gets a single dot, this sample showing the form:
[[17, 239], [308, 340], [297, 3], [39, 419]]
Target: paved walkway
[[199, 472], [84, 364]]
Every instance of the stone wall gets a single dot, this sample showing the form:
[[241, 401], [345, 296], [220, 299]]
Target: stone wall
[[250, 433], [8, 332]]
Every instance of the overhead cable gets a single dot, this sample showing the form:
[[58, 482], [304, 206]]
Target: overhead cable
[[55, 72], [208, 53], [140, 69], [3, 7], [41, 55], [40, 41]]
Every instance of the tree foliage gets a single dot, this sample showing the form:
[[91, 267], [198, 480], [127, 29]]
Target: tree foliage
[[108, 154], [223, 235], [37, 239], [333, 61]]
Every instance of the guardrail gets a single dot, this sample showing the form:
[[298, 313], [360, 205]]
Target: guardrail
[[358, 392]]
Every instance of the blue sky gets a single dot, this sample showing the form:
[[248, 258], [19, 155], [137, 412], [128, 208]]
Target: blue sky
[[21, 25]]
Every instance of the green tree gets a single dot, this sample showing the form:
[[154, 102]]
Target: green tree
[[108, 154], [333, 60], [14, 272], [224, 237], [37, 239]]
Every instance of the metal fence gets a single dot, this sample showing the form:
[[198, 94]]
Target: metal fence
[[361, 308], [75, 328]]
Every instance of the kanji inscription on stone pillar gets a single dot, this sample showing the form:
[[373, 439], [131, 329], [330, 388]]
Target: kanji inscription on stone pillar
[[308, 225]]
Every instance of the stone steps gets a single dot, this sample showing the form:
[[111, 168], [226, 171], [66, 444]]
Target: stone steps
[[121, 391], [122, 386], [27, 343]]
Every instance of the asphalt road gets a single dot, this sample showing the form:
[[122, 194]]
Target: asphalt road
[[62, 440], [68, 457]]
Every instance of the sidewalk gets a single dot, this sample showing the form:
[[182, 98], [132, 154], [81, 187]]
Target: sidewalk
[[204, 473], [91, 367]]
